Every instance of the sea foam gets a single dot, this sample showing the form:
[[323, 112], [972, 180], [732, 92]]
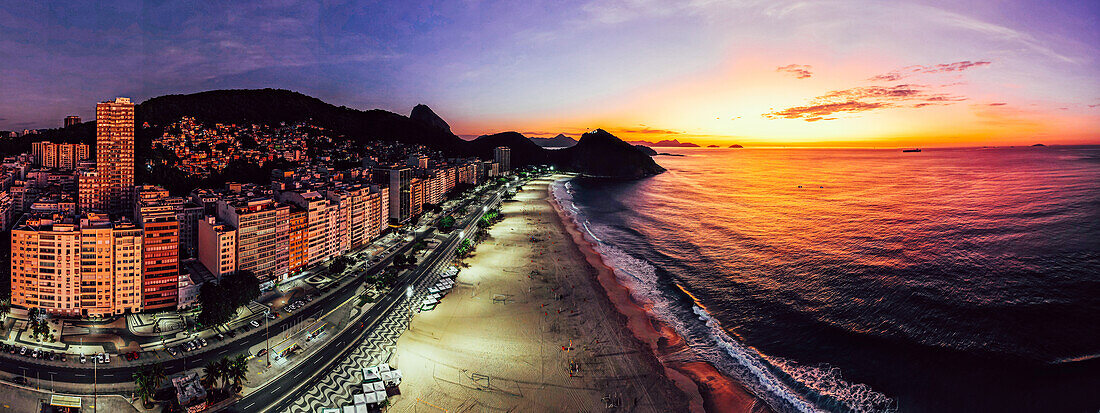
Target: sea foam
[[752, 369]]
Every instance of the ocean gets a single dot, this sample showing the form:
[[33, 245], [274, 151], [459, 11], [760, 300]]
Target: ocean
[[950, 280]]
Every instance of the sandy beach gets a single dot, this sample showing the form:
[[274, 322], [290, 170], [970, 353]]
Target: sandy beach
[[536, 322]]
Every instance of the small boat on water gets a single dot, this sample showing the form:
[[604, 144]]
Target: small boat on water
[[911, 150]]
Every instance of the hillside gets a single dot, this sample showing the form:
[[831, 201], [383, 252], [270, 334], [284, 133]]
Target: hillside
[[560, 141], [604, 155]]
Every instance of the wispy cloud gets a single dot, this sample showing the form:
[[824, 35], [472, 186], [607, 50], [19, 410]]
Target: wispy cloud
[[862, 99], [905, 72], [798, 71]]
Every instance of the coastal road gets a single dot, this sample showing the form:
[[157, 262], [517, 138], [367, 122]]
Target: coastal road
[[280, 394], [120, 371]]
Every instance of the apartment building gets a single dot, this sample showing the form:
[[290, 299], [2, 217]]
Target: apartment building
[[90, 268], [217, 243], [259, 244]]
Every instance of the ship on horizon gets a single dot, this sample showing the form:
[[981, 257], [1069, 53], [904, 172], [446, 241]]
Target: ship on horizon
[[911, 150]]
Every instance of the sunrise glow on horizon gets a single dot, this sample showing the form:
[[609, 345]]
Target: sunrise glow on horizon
[[845, 73]]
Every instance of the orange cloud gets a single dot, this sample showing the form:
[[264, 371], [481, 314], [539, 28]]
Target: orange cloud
[[905, 72], [799, 71]]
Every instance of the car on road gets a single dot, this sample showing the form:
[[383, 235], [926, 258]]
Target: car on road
[[83, 359], [254, 323], [271, 316], [172, 351], [231, 334]]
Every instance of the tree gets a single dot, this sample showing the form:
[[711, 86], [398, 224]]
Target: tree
[[242, 286], [337, 267], [446, 223], [216, 306], [144, 388], [210, 374], [224, 367], [157, 374], [221, 301], [238, 372]]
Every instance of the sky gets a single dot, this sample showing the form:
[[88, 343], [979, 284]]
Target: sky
[[764, 73]]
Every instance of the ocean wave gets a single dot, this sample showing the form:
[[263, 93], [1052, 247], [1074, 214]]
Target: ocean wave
[[745, 364]]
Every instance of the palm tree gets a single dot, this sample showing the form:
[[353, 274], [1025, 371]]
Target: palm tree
[[238, 372], [224, 366], [210, 374], [145, 389], [157, 374]]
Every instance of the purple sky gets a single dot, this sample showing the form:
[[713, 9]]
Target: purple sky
[[486, 65]]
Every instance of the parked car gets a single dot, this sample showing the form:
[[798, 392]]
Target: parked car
[[83, 359], [20, 380], [254, 323], [220, 337], [261, 353], [172, 351], [64, 357], [203, 342]]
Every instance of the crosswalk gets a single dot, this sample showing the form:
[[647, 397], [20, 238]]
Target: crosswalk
[[336, 387]]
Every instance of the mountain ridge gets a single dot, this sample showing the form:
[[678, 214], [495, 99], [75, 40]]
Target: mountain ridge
[[272, 106]]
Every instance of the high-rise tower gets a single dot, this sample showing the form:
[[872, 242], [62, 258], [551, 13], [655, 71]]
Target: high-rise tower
[[115, 153]]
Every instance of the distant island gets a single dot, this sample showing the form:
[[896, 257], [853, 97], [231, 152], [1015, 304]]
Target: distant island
[[735, 146], [560, 141], [665, 144], [1038, 144], [712, 146]]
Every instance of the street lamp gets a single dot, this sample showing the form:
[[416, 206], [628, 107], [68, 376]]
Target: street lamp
[[267, 336]]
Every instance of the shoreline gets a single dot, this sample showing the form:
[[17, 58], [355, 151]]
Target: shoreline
[[708, 389], [528, 328]]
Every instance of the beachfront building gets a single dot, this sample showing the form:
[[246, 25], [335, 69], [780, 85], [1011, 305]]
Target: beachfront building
[[297, 240], [160, 276], [89, 267], [318, 213], [259, 244]]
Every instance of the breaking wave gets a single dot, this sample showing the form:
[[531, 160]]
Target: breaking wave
[[784, 384]]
